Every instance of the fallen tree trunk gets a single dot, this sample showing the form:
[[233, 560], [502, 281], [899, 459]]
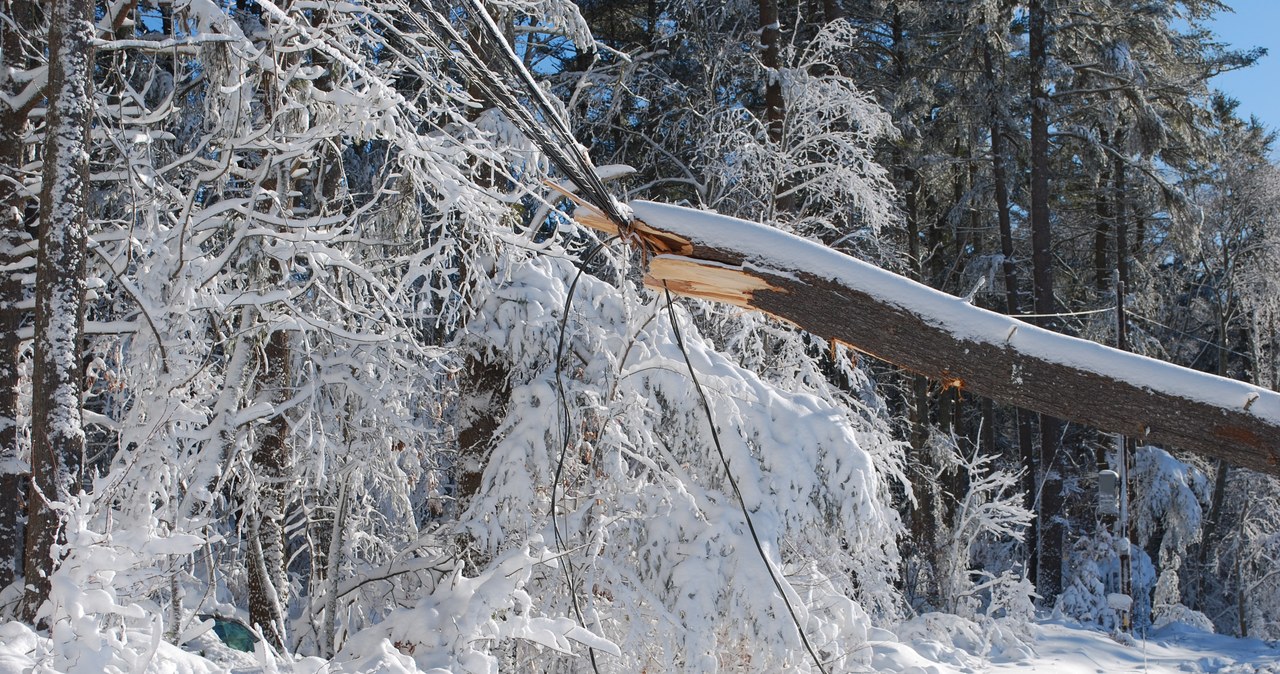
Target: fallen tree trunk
[[835, 296]]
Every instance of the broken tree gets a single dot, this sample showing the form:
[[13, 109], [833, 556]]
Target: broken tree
[[838, 297]]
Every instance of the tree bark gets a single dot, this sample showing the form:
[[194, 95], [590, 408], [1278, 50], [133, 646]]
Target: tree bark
[[957, 344], [57, 437], [1050, 530], [770, 36], [273, 468], [486, 392], [775, 112], [1000, 176], [14, 472]]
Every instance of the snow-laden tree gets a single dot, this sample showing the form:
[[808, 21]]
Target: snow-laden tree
[[57, 434], [277, 255], [608, 467]]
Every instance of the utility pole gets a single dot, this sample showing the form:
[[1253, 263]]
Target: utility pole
[[1124, 451]]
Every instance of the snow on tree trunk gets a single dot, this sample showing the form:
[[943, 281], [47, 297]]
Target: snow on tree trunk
[[57, 438], [13, 235], [945, 338]]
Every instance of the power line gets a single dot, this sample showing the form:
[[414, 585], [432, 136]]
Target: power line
[[742, 503], [565, 423]]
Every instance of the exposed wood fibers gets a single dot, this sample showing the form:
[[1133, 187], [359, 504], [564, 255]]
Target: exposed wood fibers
[[709, 281]]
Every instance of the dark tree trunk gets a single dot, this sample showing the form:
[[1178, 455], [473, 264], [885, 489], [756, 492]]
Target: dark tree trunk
[[999, 175], [1102, 234], [273, 468], [57, 437], [13, 235], [1209, 535], [770, 36], [1049, 579], [485, 393], [775, 107]]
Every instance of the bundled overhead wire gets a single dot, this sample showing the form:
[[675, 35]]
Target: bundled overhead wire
[[533, 113]]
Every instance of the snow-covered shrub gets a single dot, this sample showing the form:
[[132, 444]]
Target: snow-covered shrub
[[1167, 498], [656, 552], [1091, 582], [101, 611], [989, 510], [1167, 607]]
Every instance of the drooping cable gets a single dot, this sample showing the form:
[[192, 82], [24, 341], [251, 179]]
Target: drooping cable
[[565, 422], [742, 503]]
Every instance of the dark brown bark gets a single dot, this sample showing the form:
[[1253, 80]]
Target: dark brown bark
[[770, 36], [924, 514], [729, 260], [1049, 578], [775, 107], [1102, 234], [1122, 239], [1210, 533], [485, 393], [13, 235], [57, 438], [1041, 240]]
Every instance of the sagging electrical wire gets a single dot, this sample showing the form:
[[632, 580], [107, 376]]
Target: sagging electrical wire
[[566, 421], [742, 503], [562, 149]]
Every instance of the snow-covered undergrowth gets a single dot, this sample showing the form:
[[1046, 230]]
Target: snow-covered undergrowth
[[930, 644], [653, 540]]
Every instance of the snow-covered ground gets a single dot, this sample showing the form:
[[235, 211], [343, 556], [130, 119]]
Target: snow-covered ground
[[930, 644], [938, 644]]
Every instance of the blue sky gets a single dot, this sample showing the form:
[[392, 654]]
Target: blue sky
[[1255, 23]]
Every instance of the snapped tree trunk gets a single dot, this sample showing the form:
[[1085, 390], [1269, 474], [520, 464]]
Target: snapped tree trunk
[[890, 317], [57, 438]]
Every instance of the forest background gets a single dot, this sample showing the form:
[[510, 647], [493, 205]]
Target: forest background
[[292, 328]]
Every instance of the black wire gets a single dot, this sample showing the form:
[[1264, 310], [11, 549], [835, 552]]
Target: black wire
[[715, 438], [557, 143], [566, 420]]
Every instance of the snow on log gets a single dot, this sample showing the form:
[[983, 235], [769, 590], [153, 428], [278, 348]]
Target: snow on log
[[838, 297]]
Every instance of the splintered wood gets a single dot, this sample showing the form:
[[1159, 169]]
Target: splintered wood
[[705, 280]]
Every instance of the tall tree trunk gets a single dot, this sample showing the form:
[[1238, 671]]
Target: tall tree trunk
[[770, 36], [13, 235], [1049, 580], [924, 515], [1102, 233], [57, 438], [1000, 176], [272, 453]]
